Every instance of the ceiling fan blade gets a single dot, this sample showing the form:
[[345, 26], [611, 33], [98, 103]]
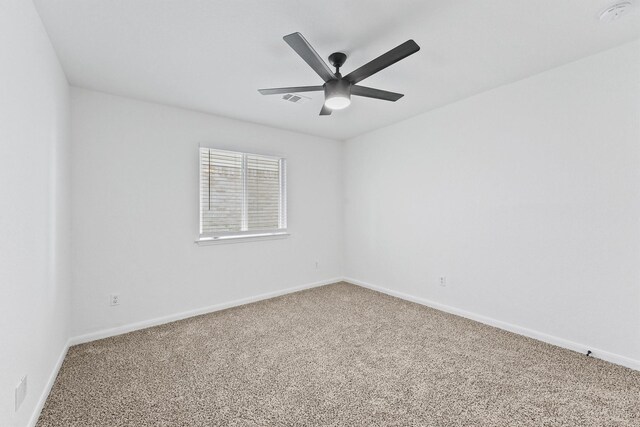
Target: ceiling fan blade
[[310, 56], [375, 93], [325, 111], [383, 61], [293, 89]]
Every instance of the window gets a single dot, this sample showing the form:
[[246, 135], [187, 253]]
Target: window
[[241, 195]]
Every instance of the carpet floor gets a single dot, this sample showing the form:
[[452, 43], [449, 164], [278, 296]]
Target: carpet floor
[[338, 355]]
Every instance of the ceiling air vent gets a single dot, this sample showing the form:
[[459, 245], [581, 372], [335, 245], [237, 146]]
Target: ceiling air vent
[[296, 99]]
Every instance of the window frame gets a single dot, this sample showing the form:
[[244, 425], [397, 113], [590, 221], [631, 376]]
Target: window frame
[[246, 235]]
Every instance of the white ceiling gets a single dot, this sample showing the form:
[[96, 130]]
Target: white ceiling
[[213, 55]]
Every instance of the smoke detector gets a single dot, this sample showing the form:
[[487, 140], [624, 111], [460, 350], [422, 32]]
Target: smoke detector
[[616, 11]]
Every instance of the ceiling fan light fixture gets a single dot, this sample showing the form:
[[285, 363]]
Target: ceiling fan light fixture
[[337, 102], [337, 94]]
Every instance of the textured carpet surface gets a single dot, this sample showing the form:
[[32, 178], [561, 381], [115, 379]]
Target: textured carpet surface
[[337, 355]]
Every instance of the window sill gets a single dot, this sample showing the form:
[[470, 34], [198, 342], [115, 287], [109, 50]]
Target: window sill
[[241, 239]]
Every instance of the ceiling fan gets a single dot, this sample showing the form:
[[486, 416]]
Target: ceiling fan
[[338, 89]]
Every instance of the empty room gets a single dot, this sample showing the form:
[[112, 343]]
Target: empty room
[[330, 213]]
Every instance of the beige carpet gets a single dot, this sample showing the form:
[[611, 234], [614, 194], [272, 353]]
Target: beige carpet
[[338, 355]]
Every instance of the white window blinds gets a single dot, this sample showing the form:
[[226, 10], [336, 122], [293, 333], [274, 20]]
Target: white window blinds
[[241, 194]]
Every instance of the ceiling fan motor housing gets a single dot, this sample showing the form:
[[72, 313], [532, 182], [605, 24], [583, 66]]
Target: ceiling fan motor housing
[[337, 93]]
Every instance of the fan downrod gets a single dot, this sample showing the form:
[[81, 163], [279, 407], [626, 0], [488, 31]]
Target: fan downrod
[[337, 59]]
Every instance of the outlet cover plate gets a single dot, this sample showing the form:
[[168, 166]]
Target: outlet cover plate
[[114, 299], [21, 392]]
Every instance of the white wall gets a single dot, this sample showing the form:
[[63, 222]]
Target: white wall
[[527, 198], [135, 212], [34, 200]]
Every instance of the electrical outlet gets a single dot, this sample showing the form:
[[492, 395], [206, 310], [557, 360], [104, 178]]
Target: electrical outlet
[[114, 299], [21, 392], [443, 281]]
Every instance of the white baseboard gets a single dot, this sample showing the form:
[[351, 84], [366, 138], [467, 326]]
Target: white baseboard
[[540, 336], [105, 333], [48, 386]]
